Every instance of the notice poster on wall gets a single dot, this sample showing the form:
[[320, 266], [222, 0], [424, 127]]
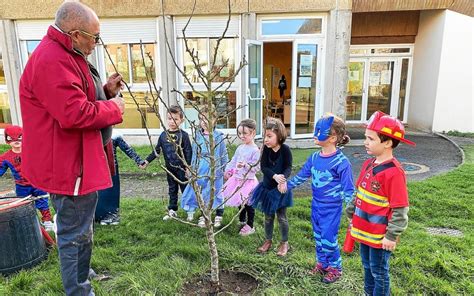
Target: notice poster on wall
[[353, 75], [276, 76], [386, 77], [374, 78], [306, 64], [304, 82]]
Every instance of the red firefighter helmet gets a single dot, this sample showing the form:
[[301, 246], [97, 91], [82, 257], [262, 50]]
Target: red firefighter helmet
[[387, 125], [13, 133]]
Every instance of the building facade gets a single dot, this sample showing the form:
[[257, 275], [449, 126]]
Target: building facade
[[411, 59]]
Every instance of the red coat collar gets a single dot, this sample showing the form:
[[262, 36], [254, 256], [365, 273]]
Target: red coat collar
[[60, 37]]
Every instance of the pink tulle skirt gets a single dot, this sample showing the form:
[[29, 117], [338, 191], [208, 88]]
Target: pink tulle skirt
[[237, 197]]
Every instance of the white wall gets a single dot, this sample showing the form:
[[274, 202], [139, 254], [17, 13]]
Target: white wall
[[454, 109], [441, 97], [425, 74]]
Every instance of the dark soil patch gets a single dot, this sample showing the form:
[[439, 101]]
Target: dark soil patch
[[232, 282]]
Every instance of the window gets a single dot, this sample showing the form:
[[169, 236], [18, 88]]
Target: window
[[224, 68], [205, 48], [5, 116], [127, 57], [224, 102], [31, 46], [291, 26]]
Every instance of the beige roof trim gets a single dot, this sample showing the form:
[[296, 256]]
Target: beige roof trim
[[461, 6]]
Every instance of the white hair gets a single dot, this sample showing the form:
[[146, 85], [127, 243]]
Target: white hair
[[72, 15]]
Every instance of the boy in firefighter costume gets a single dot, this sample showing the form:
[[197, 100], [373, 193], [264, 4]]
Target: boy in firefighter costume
[[379, 211], [12, 160], [331, 175]]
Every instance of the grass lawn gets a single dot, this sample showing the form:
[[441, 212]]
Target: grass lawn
[[147, 256]]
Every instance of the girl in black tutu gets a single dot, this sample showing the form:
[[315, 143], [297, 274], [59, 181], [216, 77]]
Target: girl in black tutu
[[275, 164]]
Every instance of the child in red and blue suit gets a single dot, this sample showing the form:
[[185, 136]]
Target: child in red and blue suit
[[12, 160], [379, 211]]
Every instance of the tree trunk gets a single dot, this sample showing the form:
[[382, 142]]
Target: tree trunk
[[214, 257]]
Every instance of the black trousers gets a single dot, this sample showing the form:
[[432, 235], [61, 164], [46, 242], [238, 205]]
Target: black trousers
[[249, 213], [174, 186]]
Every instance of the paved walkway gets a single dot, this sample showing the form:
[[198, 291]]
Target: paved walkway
[[433, 155]]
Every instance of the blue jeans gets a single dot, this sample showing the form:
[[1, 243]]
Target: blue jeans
[[376, 276], [75, 216]]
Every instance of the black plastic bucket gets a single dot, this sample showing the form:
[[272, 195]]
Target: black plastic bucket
[[21, 245]]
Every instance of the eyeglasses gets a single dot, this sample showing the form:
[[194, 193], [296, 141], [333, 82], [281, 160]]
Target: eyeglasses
[[95, 37]]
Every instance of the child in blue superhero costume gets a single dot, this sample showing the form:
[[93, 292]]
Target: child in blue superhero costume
[[332, 183]]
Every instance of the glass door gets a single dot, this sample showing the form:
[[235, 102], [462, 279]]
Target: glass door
[[355, 90], [380, 90], [254, 79], [305, 93], [377, 84]]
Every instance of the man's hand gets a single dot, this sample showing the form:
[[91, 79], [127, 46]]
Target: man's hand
[[114, 84], [388, 244], [120, 103]]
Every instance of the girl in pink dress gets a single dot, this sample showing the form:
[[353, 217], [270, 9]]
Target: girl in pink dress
[[240, 175]]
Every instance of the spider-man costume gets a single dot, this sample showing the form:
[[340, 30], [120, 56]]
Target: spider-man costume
[[12, 160]]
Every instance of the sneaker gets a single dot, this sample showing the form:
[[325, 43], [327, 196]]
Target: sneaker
[[246, 230], [111, 219], [190, 216], [171, 213], [319, 269], [115, 219], [332, 275], [202, 222], [217, 221], [106, 221], [48, 225]]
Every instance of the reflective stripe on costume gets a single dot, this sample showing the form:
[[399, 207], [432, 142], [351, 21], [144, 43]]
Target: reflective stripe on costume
[[367, 237], [372, 218], [372, 198]]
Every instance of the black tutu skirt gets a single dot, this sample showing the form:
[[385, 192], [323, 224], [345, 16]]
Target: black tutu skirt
[[270, 200]]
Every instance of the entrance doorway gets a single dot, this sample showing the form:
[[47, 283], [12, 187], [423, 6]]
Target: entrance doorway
[[277, 63], [284, 81]]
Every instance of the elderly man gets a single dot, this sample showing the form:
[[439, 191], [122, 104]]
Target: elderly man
[[64, 108]]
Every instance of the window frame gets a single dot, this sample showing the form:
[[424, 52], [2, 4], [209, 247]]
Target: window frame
[[100, 59], [235, 86], [278, 17]]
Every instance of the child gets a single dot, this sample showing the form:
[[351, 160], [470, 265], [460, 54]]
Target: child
[[379, 212], [240, 173], [176, 147], [12, 159], [331, 184], [107, 210], [201, 164], [275, 164]]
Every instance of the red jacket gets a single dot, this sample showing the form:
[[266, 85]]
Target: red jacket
[[62, 148]]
